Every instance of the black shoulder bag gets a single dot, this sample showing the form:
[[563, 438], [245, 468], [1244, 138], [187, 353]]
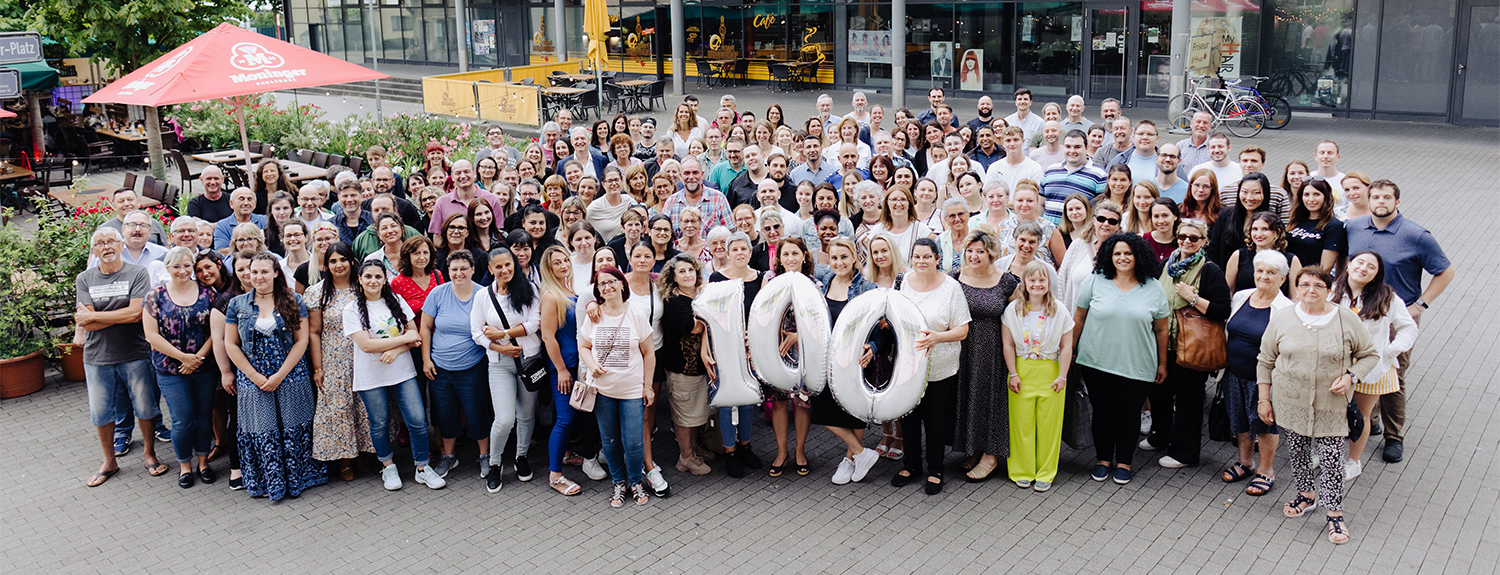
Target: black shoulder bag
[[532, 369]]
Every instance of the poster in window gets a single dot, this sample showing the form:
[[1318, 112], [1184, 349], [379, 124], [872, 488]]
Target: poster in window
[[1224, 43], [971, 71], [483, 37], [942, 59], [1159, 76], [870, 46]]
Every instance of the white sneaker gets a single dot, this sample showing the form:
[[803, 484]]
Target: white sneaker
[[1145, 422], [1170, 462], [1146, 445], [593, 469], [426, 476], [845, 472], [1042, 486], [391, 477], [863, 461], [1352, 469], [658, 483]]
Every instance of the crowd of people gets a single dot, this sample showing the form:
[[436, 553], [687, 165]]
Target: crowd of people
[[299, 330]]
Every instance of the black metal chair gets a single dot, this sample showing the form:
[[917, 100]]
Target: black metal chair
[[781, 76], [235, 176], [658, 91], [649, 77], [47, 173], [706, 73], [528, 81], [615, 95], [741, 70], [256, 147], [807, 76], [587, 101], [186, 176]]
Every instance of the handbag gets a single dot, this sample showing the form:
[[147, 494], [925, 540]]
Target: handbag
[[1218, 417], [582, 395], [1356, 421], [1201, 343], [532, 369], [1078, 418]]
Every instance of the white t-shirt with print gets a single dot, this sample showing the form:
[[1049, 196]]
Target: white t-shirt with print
[[369, 372]]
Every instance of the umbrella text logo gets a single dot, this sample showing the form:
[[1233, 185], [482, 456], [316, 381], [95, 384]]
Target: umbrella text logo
[[172, 62], [252, 57], [249, 56]]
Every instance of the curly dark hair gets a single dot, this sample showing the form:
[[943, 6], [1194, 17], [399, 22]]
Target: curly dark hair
[[1146, 266], [386, 295]]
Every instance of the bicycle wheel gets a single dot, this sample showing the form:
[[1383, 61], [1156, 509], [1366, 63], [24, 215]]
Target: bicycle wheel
[[1184, 119], [1279, 111], [1244, 117]]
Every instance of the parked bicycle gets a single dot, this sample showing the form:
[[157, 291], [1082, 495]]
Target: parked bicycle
[[1242, 115], [1278, 109]]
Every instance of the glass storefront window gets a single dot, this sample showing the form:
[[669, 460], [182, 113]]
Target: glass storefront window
[[1416, 55], [1309, 51], [981, 27], [926, 24], [1048, 38], [868, 47]]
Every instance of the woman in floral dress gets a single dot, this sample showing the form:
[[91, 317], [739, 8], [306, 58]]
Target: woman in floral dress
[[341, 428]]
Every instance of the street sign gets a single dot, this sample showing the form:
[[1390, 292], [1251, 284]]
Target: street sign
[[19, 47], [10, 83]]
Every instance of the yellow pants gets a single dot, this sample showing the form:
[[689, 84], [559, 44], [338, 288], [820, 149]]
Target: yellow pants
[[1036, 418]]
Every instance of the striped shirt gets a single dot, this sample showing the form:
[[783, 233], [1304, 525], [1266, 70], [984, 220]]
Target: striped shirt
[[1058, 182]]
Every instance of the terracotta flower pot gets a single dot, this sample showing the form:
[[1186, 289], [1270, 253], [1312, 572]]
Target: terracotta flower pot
[[72, 361], [22, 375]]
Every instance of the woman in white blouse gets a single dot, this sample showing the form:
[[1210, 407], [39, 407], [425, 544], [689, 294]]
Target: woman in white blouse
[[946, 309], [1362, 288], [898, 217], [505, 321]]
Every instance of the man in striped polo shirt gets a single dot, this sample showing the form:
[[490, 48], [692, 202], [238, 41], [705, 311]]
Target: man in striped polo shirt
[[1073, 174]]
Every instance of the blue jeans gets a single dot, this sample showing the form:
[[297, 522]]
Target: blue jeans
[[408, 398], [727, 426], [190, 398], [622, 423], [117, 387], [557, 443], [124, 422], [464, 391]]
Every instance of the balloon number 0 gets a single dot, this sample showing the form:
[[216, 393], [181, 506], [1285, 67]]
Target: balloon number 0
[[827, 356]]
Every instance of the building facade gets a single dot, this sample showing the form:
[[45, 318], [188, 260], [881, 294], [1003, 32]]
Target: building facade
[[1425, 60]]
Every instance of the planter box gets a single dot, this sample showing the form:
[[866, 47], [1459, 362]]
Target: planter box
[[71, 361], [22, 375]]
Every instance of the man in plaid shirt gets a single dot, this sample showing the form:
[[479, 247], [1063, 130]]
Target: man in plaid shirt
[[714, 205]]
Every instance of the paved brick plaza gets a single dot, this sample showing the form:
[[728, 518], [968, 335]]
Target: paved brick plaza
[[1434, 513]]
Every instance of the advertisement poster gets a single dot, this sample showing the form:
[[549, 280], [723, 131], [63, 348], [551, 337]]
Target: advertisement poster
[[971, 71], [1224, 43], [484, 37], [870, 46], [1159, 75], [942, 59]]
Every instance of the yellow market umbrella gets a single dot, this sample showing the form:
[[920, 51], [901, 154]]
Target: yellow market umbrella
[[595, 26]]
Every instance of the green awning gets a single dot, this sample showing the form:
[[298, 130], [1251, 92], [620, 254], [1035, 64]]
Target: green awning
[[36, 75]]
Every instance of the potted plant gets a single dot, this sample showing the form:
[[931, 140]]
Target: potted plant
[[28, 280], [65, 240]]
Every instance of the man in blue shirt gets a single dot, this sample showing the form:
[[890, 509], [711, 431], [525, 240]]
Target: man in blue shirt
[[1168, 159], [1073, 175], [815, 170], [1407, 249], [243, 202]]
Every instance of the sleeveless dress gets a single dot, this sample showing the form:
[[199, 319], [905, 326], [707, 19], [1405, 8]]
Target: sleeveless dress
[[341, 427], [983, 404]]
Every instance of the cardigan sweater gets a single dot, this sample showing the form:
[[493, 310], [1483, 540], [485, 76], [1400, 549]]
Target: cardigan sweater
[[1301, 363]]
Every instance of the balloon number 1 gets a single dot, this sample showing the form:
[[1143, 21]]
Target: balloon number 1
[[827, 356]]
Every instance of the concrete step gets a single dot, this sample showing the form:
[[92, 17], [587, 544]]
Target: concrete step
[[393, 89]]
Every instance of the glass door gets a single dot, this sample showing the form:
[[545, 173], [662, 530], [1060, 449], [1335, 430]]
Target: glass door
[[1107, 53], [1476, 82]]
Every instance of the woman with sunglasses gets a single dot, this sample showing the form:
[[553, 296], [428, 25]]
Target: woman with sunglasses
[[1190, 280]]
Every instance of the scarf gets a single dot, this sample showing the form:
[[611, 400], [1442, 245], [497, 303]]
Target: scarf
[[1179, 269]]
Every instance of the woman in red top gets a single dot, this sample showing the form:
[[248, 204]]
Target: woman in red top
[[417, 275]]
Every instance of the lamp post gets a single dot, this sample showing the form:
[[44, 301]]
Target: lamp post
[[375, 59]]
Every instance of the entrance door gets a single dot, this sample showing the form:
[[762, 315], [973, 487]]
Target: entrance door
[[1106, 45], [1476, 81]]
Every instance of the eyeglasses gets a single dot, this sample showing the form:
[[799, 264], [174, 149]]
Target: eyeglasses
[[1169, 156], [1188, 238], [1308, 286], [459, 228], [1106, 220]]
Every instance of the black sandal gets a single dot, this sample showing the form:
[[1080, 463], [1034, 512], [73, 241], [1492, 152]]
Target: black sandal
[[1295, 509], [803, 469], [934, 488], [1259, 486], [1336, 528], [1236, 472]]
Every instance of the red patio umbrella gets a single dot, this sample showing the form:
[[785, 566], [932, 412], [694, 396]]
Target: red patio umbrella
[[229, 63], [4, 113]]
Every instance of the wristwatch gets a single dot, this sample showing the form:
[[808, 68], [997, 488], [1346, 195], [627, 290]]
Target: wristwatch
[[1422, 303]]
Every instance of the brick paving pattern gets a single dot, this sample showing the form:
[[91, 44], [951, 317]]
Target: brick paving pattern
[[1433, 513]]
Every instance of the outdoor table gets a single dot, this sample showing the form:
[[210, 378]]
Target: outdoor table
[[122, 136], [636, 88], [77, 200], [300, 172], [226, 157], [580, 77], [563, 96], [13, 172]]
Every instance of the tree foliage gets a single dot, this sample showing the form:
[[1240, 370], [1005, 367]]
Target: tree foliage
[[128, 34]]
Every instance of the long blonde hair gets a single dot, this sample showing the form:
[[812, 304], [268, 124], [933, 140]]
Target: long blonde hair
[[560, 288], [1049, 302]]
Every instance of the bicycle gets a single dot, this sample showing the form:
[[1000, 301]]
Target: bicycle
[[1241, 115], [1278, 109]]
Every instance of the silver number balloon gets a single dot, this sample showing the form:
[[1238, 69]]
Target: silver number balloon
[[909, 374], [721, 305], [797, 292]]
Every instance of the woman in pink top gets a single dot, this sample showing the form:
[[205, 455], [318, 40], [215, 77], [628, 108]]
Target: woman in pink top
[[620, 358]]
